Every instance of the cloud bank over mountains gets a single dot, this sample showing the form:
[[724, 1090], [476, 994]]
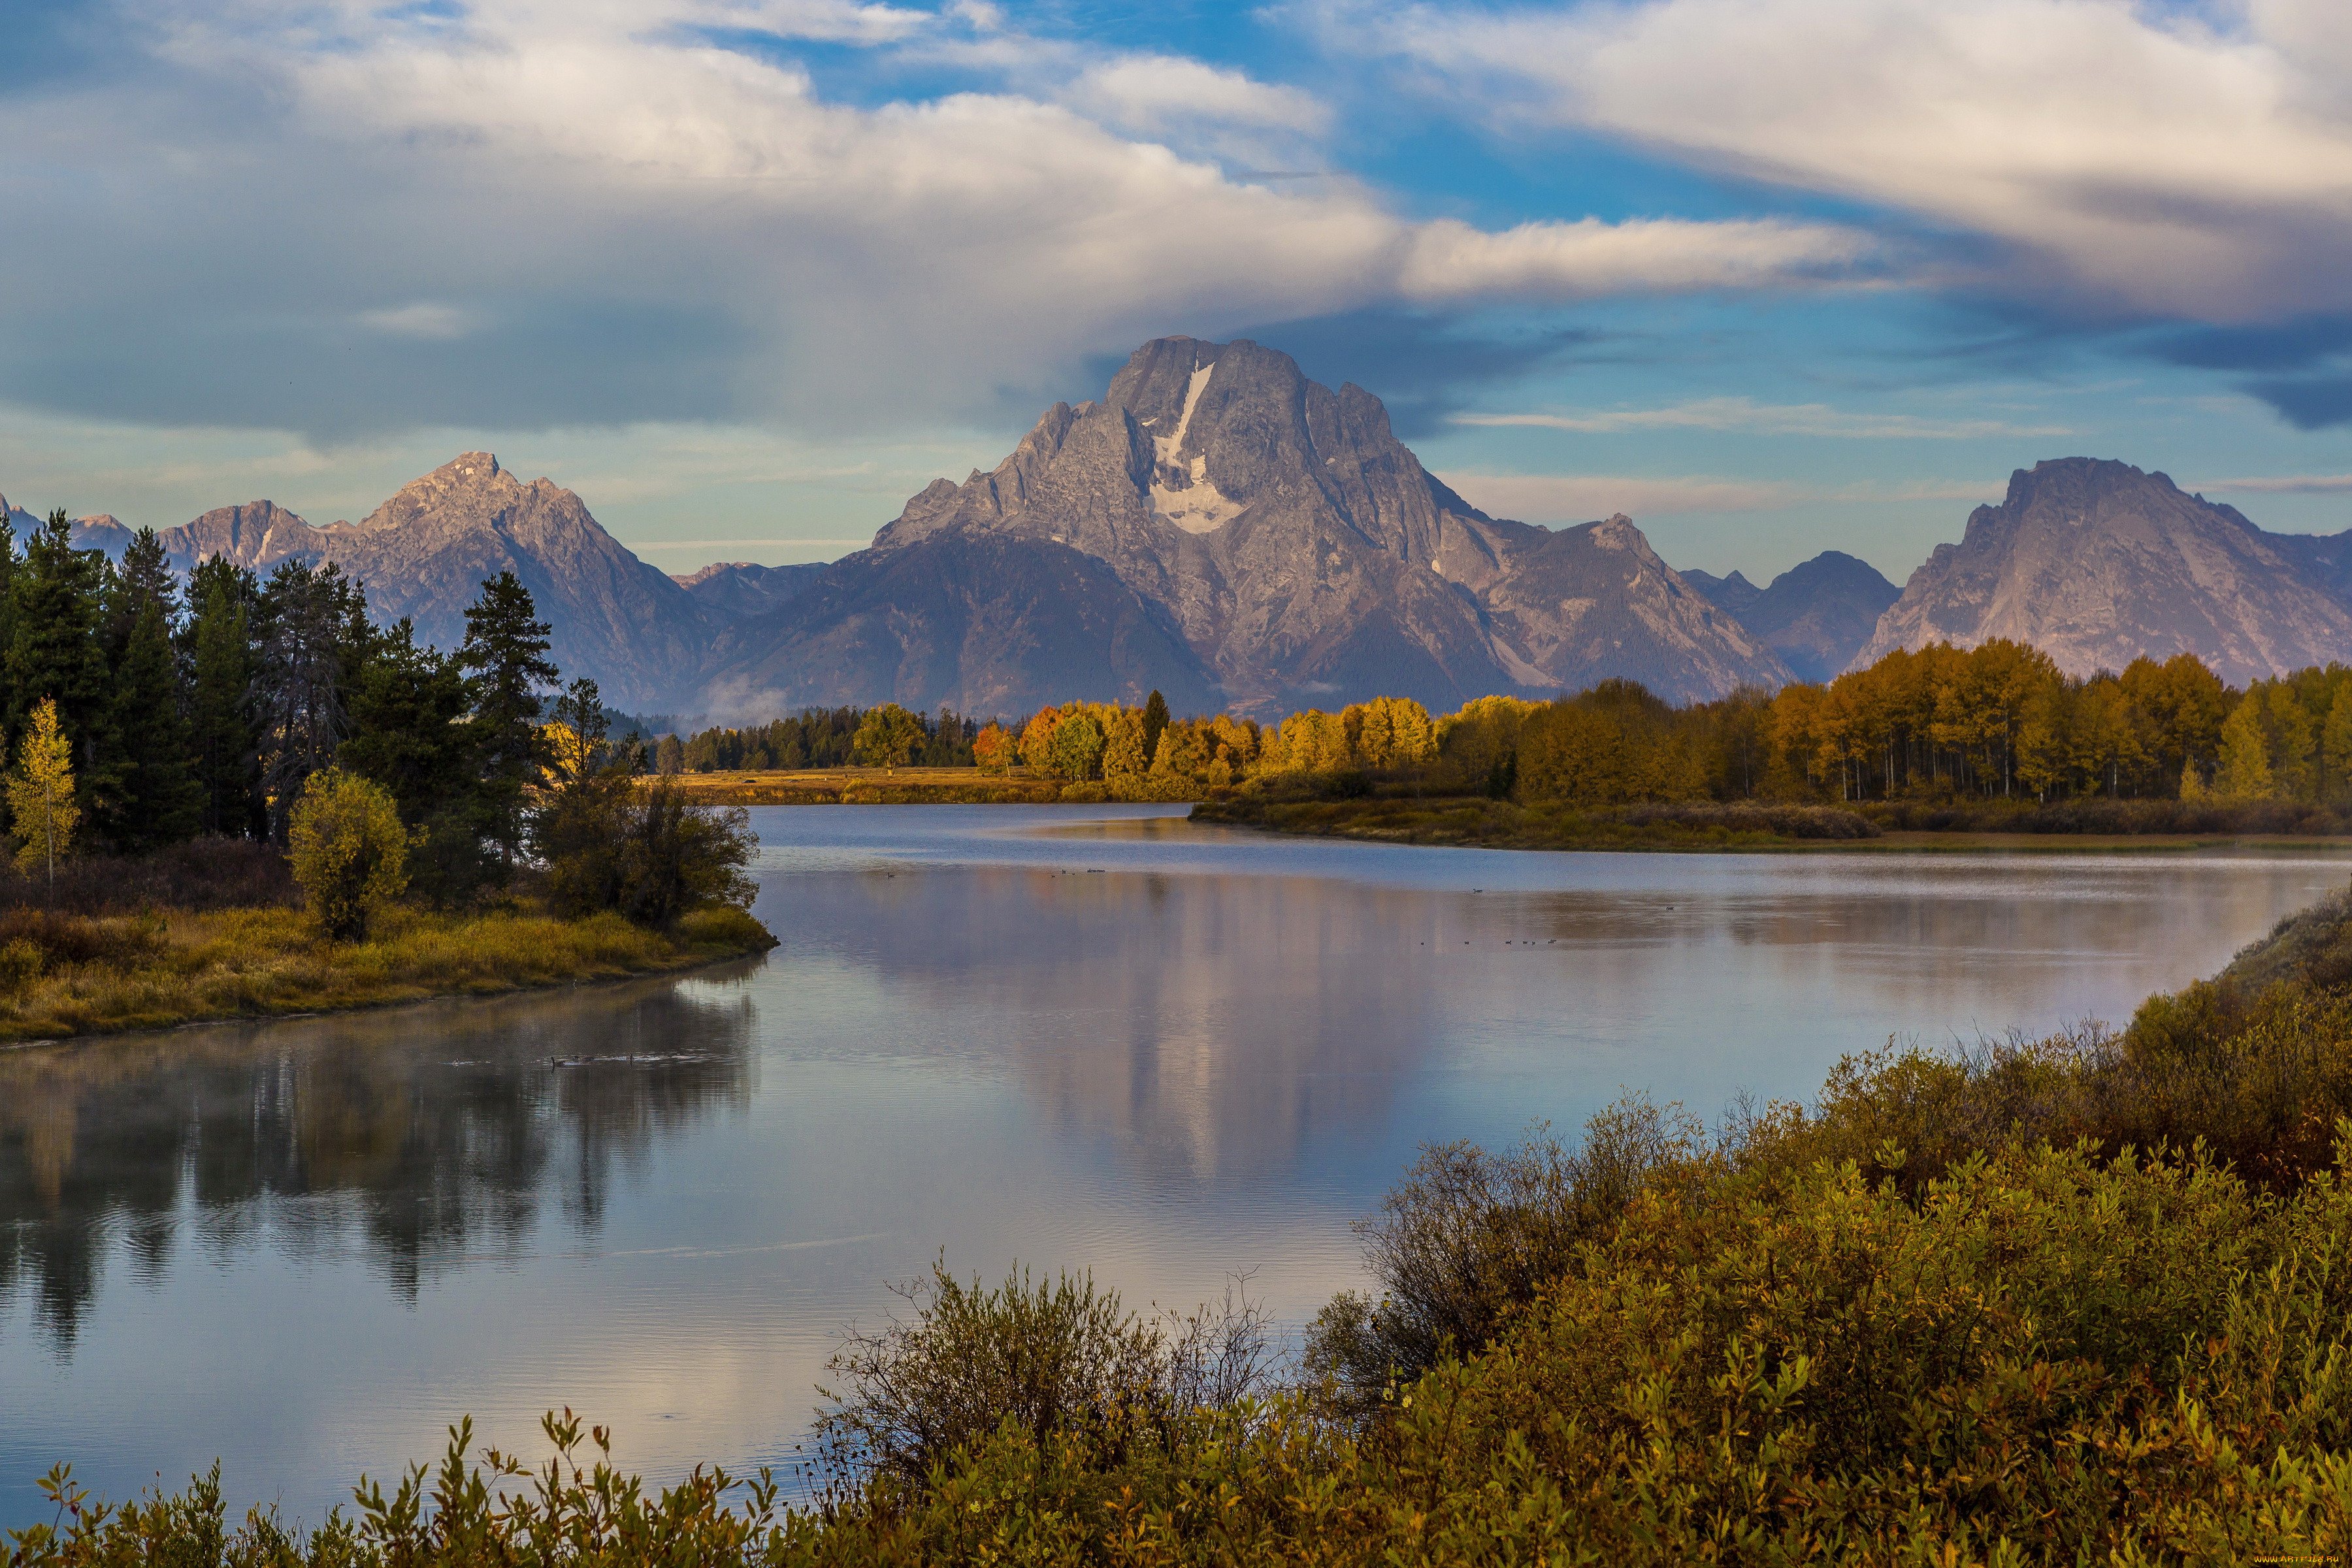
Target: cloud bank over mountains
[[616, 213]]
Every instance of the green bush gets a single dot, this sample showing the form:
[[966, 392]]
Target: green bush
[[1044, 1358], [1468, 1238], [20, 964], [641, 847], [347, 849]]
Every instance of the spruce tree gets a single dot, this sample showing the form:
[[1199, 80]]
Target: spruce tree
[[9, 562], [313, 616], [408, 709], [506, 653], [56, 597], [219, 656], [150, 796], [142, 786], [1155, 720]]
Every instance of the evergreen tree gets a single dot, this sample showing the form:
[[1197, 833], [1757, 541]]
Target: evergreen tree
[[408, 712], [56, 597], [151, 796], [145, 576], [1155, 720], [141, 783], [219, 656], [9, 562], [304, 678], [506, 654]]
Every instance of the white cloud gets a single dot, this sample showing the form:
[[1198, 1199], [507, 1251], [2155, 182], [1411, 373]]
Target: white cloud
[[2131, 152], [1744, 413], [441, 323], [1448, 260], [1152, 93], [569, 213], [831, 21]]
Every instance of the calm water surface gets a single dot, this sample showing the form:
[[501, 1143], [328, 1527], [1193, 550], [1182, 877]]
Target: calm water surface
[[1074, 1037]]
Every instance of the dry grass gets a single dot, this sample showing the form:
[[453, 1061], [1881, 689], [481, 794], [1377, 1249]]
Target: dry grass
[[181, 966], [868, 786]]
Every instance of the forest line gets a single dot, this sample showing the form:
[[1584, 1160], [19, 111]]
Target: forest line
[[1997, 722]]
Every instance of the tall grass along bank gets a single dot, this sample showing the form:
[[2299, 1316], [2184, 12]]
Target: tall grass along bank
[[69, 975], [2086, 1299]]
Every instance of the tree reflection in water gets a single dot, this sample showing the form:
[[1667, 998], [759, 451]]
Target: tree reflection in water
[[426, 1136]]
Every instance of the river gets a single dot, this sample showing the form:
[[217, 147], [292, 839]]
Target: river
[[1079, 1037]]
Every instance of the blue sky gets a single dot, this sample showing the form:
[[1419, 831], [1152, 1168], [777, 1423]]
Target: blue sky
[[1770, 275]]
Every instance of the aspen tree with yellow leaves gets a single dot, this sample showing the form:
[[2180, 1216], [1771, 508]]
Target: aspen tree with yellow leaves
[[41, 804]]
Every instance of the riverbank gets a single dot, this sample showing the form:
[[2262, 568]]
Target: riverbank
[[65, 975], [875, 786], [1476, 822]]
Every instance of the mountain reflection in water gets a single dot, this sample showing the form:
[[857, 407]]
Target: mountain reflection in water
[[1219, 1026], [426, 1137]]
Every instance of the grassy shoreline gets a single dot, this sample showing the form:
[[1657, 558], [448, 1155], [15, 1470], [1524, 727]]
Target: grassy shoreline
[[164, 969], [1476, 822], [868, 786]]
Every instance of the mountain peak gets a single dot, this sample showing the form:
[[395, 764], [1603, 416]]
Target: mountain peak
[[475, 476], [1300, 551], [2098, 562]]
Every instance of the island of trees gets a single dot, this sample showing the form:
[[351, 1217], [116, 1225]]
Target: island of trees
[[204, 782]]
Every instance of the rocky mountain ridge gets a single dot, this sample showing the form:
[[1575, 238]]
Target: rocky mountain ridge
[[1285, 537], [2097, 563], [746, 588], [425, 552], [1816, 615]]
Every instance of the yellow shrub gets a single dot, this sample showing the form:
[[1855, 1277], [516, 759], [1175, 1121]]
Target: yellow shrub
[[348, 849]]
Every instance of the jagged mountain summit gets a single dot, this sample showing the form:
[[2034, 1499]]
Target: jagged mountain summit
[[1816, 615], [425, 552], [2099, 563], [1251, 535], [747, 588]]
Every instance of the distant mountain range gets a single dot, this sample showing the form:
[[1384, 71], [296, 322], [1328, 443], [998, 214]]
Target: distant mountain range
[[1241, 538], [1816, 617]]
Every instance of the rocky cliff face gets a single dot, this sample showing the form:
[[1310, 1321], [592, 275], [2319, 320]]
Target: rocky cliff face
[[987, 626], [1298, 551], [2097, 564], [258, 534], [425, 552], [1816, 615]]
